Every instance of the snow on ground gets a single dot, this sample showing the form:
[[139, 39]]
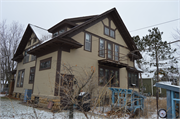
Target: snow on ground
[[11, 109]]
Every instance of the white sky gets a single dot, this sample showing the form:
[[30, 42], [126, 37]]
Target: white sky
[[135, 13]]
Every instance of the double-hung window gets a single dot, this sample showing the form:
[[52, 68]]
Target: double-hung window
[[116, 52], [102, 48], [110, 50], [88, 42], [32, 74], [20, 79], [132, 79]]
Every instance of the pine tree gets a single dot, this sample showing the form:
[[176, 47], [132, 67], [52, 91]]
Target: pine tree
[[157, 52]]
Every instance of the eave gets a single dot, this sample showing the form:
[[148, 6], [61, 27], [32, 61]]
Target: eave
[[18, 58], [112, 63], [64, 44], [133, 69]]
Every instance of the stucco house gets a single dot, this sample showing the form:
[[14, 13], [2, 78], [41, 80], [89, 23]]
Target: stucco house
[[101, 41]]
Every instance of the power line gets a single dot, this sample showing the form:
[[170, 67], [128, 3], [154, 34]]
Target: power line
[[154, 25]]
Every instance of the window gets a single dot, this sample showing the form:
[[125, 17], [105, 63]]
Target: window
[[34, 40], [45, 64], [109, 32], [116, 52], [33, 57], [108, 76], [61, 31], [88, 42], [29, 42], [20, 79], [132, 79], [110, 51], [102, 48], [26, 56], [55, 34], [32, 74]]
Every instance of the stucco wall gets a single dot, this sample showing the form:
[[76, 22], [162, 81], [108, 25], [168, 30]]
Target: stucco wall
[[26, 84], [83, 60], [45, 79]]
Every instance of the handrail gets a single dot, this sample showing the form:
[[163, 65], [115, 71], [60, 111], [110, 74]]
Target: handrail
[[121, 56]]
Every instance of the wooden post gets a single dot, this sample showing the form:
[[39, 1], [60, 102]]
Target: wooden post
[[169, 108]]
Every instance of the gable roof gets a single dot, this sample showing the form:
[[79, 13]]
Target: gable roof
[[71, 22], [39, 32], [118, 22], [88, 21]]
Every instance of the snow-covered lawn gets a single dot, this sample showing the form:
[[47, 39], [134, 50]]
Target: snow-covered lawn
[[12, 109]]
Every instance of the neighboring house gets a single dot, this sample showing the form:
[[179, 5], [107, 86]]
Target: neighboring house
[[149, 80], [101, 41]]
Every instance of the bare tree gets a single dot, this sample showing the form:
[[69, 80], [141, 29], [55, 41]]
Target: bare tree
[[10, 35]]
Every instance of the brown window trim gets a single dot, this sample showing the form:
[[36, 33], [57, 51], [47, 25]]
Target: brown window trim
[[109, 31], [104, 47], [31, 82], [85, 41], [19, 86], [109, 68], [44, 60]]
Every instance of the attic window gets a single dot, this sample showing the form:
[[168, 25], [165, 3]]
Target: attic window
[[61, 31], [109, 32], [29, 42], [34, 40], [55, 34]]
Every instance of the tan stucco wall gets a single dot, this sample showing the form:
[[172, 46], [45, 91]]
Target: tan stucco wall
[[26, 84], [45, 79], [106, 21]]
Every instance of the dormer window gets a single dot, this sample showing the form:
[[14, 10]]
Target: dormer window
[[61, 31], [55, 34]]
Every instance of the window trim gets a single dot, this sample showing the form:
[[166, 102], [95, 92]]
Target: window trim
[[31, 82], [100, 47], [44, 60], [85, 42]]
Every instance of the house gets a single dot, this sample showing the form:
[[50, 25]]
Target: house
[[149, 80], [101, 41]]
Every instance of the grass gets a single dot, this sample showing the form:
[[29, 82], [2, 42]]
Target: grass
[[151, 108]]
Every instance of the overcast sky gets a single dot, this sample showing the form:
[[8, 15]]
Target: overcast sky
[[136, 14]]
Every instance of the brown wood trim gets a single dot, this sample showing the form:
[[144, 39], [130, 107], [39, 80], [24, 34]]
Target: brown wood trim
[[105, 39], [58, 68], [30, 74], [47, 59], [34, 76], [85, 41], [102, 22]]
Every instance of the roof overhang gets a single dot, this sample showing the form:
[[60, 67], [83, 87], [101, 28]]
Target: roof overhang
[[112, 63], [168, 87], [133, 69], [12, 72], [18, 58], [52, 45]]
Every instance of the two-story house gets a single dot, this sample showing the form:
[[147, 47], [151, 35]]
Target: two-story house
[[101, 41]]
